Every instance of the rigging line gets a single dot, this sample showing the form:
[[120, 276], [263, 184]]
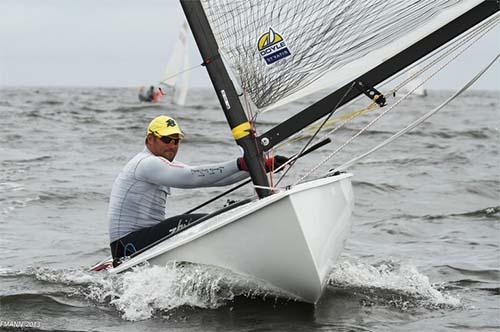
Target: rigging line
[[437, 54], [178, 73], [317, 131], [265, 187], [416, 122], [388, 110], [344, 117], [241, 184], [486, 27]]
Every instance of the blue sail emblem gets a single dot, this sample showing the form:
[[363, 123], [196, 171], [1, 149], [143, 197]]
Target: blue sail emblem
[[272, 47]]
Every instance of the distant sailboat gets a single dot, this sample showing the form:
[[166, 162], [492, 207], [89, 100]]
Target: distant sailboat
[[177, 71], [415, 85], [150, 95]]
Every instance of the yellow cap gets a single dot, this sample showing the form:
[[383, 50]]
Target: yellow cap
[[164, 126]]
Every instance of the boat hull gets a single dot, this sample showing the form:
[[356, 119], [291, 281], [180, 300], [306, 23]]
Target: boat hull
[[289, 240]]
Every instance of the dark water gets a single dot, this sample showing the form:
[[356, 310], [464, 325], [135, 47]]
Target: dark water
[[423, 255]]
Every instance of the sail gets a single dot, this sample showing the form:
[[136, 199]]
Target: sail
[[271, 52], [176, 72], [284, 49]]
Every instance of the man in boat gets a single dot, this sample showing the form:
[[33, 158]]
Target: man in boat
[[138, 199], [158, 94], [147, 96]]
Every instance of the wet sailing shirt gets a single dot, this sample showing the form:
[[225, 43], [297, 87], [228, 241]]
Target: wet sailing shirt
[[139, 195]]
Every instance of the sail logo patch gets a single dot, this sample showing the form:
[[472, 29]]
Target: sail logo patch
[[272, 47]]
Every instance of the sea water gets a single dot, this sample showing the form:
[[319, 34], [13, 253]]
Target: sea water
[[423, 253]]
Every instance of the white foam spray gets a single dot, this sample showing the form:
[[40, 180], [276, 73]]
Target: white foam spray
[[140, 293], [401, 285]]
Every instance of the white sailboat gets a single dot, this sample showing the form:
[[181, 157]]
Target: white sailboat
[[278, 240], [290, 238], [414, 85], [176, 77]]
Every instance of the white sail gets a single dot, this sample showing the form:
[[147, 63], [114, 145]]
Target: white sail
[[314, 53], [176, 72]]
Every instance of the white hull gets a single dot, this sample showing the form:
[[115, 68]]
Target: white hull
[[290, 240]]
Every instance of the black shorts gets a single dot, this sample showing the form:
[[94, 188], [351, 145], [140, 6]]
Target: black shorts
[[140, 239]]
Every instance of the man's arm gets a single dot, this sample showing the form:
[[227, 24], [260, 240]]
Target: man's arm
[[160, 171]]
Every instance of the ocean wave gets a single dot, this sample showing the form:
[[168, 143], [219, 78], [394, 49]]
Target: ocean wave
[[388, 283], [455, 158], [93, 109], [198, 107], [50, 102], [492, 290], [396, 161], [13, 204], [482, 133], [489, 212], [147, 290], [493, 211], [27, 300], [135, 108], [11, 186], [380, 187], [28, 160], [88, 120], [34, 114], [45, 196], [484, 188], [478, 275]]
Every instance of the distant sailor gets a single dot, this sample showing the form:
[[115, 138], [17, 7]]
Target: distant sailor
[[151, 95], [137, 206]]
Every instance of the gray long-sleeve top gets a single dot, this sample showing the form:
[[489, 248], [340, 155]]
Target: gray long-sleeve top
[[139, 195]]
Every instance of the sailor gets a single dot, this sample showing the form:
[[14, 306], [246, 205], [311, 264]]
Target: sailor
[[138, 199], [148, 96], [158, 93]]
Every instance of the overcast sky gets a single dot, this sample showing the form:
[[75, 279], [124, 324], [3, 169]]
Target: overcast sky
[[127, 43]]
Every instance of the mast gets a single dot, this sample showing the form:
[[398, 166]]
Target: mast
[[378, 74], [226, 92]]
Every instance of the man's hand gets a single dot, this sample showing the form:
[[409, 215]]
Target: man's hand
[[275, 162], [271, 163]]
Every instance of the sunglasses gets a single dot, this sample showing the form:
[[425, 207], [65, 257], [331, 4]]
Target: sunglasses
[[168, 140]]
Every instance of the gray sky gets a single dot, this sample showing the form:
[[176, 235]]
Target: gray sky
[[127, 43]]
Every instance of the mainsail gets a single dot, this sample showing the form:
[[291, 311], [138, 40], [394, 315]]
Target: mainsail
[[177, 70], [272, 52], [329, 43]]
